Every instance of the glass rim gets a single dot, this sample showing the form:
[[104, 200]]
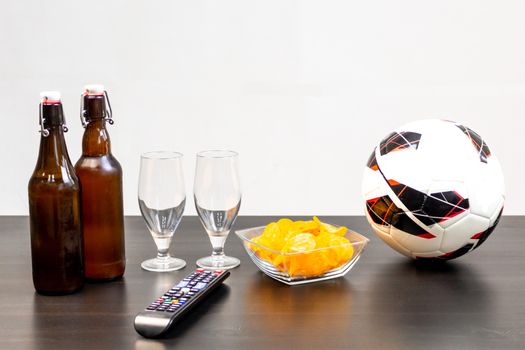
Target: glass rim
[[217, 153], [161, 155]]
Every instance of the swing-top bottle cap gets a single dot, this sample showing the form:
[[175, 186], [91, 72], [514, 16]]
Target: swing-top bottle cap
[[50, 97], [94, 89]]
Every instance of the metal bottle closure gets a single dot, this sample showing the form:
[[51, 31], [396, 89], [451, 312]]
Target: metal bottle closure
[[108, 113], [44, 131]]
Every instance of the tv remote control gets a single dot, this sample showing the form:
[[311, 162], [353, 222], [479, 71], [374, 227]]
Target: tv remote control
[[164, 312]]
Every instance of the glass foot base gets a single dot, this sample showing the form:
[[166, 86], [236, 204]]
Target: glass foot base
[[163, 265], [224, 263]]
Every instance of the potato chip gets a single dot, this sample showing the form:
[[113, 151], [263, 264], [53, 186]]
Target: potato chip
[[299, 243], [273, 237], [284, 225], [324, 227]]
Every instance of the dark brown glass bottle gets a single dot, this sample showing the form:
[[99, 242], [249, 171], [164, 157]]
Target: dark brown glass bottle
[[100, 176], [54, 208]]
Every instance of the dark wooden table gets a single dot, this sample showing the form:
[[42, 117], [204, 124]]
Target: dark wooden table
[[385, 302]]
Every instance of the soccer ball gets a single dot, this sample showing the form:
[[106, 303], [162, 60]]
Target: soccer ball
[[433, 189]]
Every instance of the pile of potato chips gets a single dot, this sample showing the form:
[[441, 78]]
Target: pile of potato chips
[[296, 247]]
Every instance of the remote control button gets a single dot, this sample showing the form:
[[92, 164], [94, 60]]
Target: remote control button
[[200, 270], [218, 272], [182, 284], [201, 285], [195, 290]]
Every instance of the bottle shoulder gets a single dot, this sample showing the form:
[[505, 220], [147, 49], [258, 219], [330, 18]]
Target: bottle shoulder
[[43, 180], [55, 172], [102, 163]]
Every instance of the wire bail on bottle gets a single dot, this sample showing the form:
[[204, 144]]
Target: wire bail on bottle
[[108, 113], [43, 130]]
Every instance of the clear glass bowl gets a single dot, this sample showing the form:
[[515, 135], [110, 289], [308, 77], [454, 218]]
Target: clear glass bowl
[[283, 271]]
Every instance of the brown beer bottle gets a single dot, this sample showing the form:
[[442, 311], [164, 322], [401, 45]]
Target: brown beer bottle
[[54, 207], [100, 176]]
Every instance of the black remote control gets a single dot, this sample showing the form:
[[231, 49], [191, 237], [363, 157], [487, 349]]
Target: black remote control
[[164, 312]]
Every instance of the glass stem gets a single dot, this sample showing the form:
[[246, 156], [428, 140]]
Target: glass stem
[[163, 246], [162, 254], [217, 243]]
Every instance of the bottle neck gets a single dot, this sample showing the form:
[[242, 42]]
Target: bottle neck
[[51, 115], [96, 142], [53, 159]]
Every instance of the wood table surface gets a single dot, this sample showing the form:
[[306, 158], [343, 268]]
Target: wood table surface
[[385, 302]]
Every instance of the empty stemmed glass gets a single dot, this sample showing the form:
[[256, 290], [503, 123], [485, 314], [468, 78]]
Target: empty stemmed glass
[[161, 200], [217, 194]]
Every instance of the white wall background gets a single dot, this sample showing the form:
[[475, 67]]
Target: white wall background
[[302, 89]]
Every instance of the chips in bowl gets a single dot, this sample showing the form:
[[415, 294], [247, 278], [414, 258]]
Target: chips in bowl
[[300, 251]]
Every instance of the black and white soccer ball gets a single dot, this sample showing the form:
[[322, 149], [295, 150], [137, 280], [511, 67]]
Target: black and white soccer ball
[[433, 189]]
